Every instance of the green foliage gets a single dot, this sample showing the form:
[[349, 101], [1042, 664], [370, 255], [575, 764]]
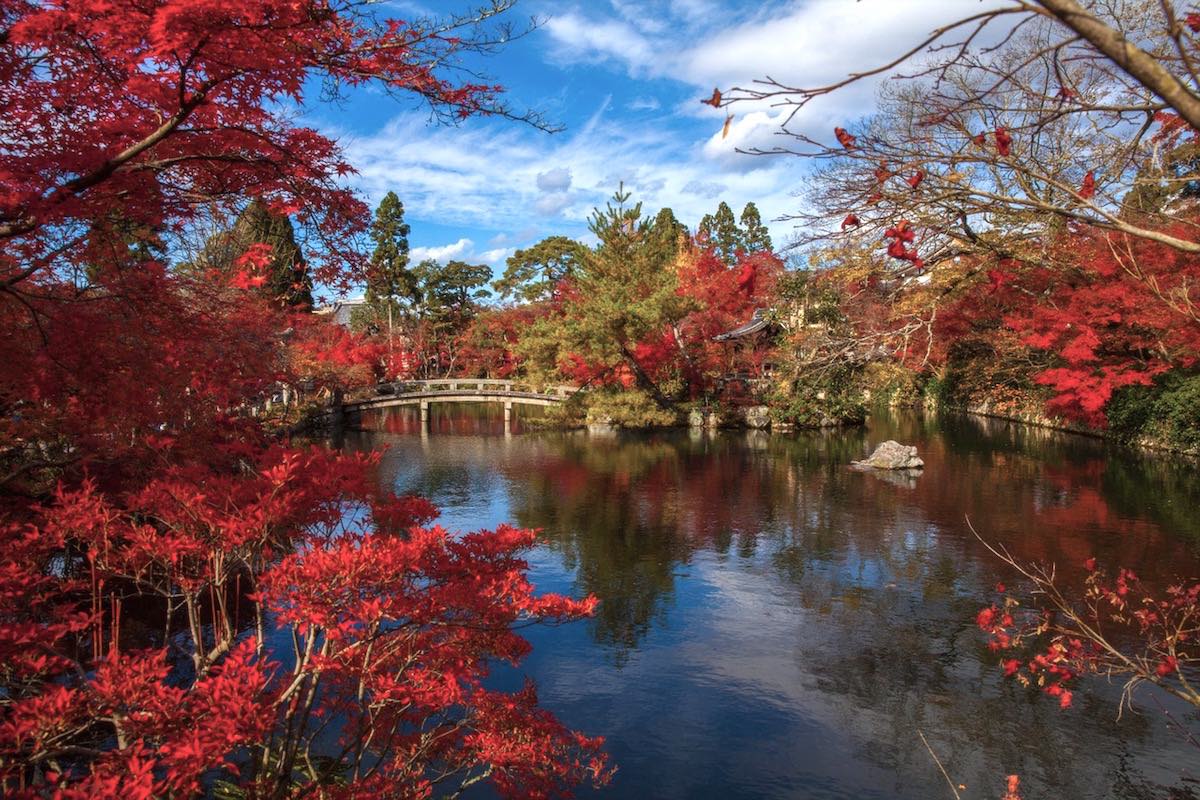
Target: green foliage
[[667, 236], [451, 291], [625, 289], [722, 232], [629, 409], [389, 278], [1167, 412], [890, 383], [1177, 413], [530, 275], [117, 242], [810, 301], [755, 236], [832, 396], [562, 416], [288, 282], [976, 371]]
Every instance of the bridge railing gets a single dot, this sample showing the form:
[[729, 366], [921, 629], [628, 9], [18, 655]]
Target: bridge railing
[[475, 385]]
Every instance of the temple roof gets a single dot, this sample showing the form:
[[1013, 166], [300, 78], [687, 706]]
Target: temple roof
[[758, 321]]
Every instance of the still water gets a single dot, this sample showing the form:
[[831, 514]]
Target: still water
[[775, 624]]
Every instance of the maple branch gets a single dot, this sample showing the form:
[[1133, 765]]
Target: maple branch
[[1140, 65]]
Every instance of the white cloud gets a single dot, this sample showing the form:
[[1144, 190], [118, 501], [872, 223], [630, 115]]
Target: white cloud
[[709, 190], [497, 176], [597, 41], [497, 256], [552, 204], [448, 252], [643, 104], [554, 180], [802, 44], [461, 250], [489, 174]]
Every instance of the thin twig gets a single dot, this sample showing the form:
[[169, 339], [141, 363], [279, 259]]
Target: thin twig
[[938, 761]]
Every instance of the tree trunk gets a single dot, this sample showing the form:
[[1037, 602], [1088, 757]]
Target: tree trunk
[[643, 380]]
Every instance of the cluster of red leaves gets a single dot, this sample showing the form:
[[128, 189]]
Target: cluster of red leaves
[[720, 297], [1003, 141], [141, 107], [1112, 311], [1118, 626], [143, 366], [487, 346], [395, 626], [723, 297], [170, 736], [899, 236], [148, 604], [1120, 317], [330, 355]]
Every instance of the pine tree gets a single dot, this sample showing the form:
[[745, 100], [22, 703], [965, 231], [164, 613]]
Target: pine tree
[[287, 281], [533, 274], [667, 235], [388, 278], [755, 236], [116, 242], [626, 289], [721, 233]]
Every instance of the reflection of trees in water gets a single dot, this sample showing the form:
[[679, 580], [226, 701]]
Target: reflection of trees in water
[[603, 508], [625, 511], [884, 576], [887, 640], [881, 580]]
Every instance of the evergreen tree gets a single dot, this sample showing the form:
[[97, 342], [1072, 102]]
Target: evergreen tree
[[453, 290], [626, 290], [450, 296], [720, 231], [388, 277], [287, 281], [116, 242], [755, 236], [668, 234], [531, 275]]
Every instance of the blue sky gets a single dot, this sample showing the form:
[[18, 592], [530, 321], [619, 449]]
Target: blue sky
[[624, 78]]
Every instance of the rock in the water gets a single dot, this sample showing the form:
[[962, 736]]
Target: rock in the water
[[892, 455]]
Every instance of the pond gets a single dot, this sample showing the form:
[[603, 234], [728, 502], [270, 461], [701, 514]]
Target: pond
[[775, 624]]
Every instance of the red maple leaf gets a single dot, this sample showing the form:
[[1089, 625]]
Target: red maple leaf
[[1088, 189], [1003, 141]]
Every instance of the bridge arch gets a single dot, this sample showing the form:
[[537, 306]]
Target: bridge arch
[[422, 393]]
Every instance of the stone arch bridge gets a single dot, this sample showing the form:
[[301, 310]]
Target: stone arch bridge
[[454, 390]]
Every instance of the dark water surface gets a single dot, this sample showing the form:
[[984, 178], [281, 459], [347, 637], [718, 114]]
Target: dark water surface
[[774, 624]]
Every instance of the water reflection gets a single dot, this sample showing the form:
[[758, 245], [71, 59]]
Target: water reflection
[[774, 624]]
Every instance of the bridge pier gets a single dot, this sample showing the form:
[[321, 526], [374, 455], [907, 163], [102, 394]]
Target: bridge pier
[[424, 416], [508, 417]]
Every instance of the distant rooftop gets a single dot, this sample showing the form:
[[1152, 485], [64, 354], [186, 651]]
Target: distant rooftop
[[758, 321], [341, 309]]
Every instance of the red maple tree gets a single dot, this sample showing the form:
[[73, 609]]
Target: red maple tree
[[185, 602]]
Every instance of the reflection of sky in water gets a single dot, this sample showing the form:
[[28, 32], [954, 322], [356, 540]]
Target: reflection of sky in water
[[775, 625]]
